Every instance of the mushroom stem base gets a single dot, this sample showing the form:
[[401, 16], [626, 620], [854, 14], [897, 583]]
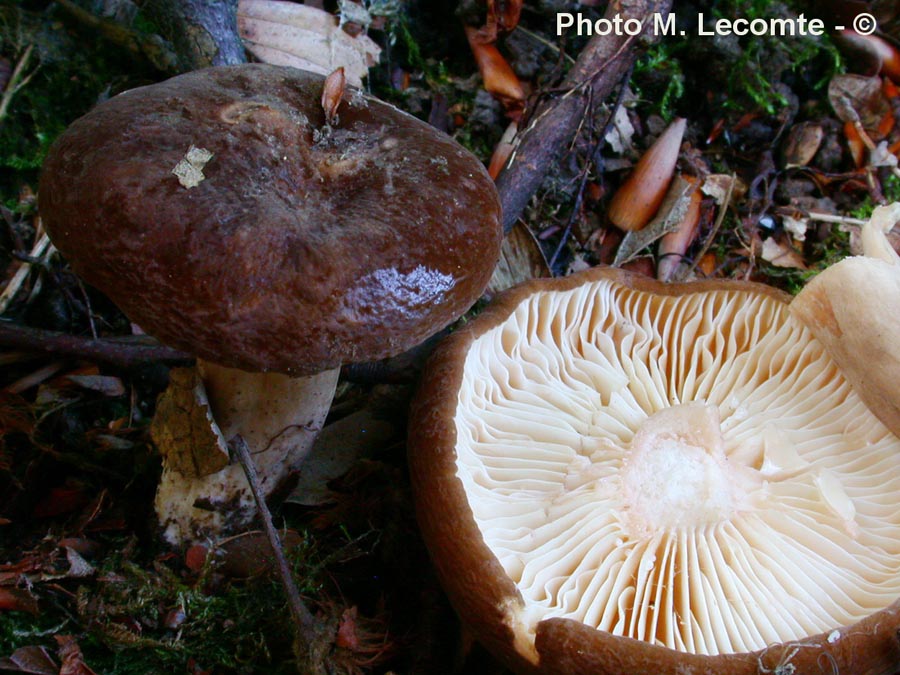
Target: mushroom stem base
[[201, 494]]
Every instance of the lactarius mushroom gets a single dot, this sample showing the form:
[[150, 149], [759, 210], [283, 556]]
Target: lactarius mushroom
[[225, 217], [618, 476], [853, 308]]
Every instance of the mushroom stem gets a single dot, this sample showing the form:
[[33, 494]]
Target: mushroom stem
[[200, 494], [852, 308]]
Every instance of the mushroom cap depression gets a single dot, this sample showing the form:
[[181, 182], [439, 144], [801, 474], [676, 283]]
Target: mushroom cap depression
[[223, 215], [615, 475]]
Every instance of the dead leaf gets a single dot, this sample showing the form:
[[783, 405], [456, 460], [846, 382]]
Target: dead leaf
[[333, 94], [503, 150], [32, 660], [107, 385], [672, 211], [781, 254], [858, 98], [803, 143], [621, 131], [675, 243], [17, 600], [72, 659], [301, 36], [335, 451], [719, 185], [521, 258], [795, 226], [497, 75]]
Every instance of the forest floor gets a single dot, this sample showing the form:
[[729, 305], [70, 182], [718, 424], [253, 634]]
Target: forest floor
[[794, 152]]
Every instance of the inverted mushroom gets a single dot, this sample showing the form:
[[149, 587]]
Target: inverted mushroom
[[615, 475], [224, 216]]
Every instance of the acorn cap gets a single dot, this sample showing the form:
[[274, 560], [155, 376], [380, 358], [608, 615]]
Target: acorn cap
[[221, 214], [615, 475]]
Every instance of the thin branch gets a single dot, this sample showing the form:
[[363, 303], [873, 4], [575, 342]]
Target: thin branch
[[123, 352], [16, 81], [308, 633]]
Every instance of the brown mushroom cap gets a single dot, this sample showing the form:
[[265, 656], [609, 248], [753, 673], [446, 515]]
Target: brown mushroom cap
[[615, 475], [285, 245]]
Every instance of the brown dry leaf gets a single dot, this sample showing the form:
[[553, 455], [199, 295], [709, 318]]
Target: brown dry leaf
[[107, 385], [521, 258], [499, 78], [32, 660], [720, 185], [335, 451], [72, 659], [858, 98], [675, 243], [333, 94], [781, 254], [290, 34], [502, 16], [803, 143], [17, 600], [503, 150]]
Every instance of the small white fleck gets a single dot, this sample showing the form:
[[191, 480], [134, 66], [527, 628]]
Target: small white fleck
[[189, 169], [834, 636]]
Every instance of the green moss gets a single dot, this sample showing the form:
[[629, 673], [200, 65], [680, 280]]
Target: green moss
[[68, 75], [123, 618]]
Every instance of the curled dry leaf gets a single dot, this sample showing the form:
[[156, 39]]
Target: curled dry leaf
[[720, 186], [803, 143], [675, 243], [499, 78], [290, 34], [671, 212], [856, 98], [503, 150], [332, 93], [521, 258], [781, 254], [32, 660], [640, 196], [72, 659]]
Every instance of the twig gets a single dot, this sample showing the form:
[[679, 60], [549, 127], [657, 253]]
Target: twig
[[599, 67], [16, 81], [40, 252], [305, 622], [831, 218], [726, 203], [123, 352]]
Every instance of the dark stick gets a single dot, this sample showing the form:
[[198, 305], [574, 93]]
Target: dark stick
[[600, 66], [307, 627], [122, 352]]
